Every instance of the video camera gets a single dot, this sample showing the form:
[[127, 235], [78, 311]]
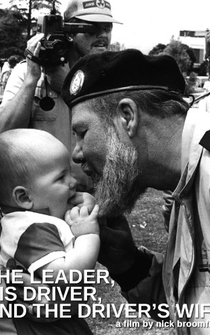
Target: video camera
[[55, 44]]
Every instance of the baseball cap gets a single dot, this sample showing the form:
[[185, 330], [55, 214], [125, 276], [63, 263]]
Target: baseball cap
[[110, 72], [91, 10]]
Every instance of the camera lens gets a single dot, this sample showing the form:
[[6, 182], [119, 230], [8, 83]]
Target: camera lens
[[59, 47]]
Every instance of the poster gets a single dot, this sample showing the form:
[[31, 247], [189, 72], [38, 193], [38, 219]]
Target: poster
[[106, 311]]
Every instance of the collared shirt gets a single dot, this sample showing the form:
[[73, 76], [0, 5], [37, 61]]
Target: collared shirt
[[183, 274]]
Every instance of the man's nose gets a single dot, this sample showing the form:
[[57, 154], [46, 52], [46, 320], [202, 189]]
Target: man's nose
[[77, 154], [101, 32]]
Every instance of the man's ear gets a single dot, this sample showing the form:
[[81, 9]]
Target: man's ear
[[128, 112], [21, 197]]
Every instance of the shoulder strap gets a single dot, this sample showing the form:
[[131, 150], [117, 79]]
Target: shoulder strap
[[202, 96]]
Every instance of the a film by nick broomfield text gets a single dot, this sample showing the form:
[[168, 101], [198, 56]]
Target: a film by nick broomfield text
[[90, 305]]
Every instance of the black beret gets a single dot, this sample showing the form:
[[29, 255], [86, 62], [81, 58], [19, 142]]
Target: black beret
[[109, 72]]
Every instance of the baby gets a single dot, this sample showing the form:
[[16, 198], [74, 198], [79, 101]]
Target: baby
[[36, 192]]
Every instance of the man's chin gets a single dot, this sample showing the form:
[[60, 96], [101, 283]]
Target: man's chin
[[98, 49], [109, 207], [113, 208]]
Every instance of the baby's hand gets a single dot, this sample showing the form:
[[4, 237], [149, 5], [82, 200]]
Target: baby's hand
[[83, 199], [81, 222]]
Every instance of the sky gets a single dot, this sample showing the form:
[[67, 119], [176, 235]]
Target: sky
[[149, 22]]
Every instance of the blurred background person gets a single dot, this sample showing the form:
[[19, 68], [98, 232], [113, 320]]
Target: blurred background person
[[7, 70]]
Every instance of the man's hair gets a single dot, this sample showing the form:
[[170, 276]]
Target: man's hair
[[158, 103], [17, 160]]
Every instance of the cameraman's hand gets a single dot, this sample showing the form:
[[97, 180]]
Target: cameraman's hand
[[56, 75], [34, 45]]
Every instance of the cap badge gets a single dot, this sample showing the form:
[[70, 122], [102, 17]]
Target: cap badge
[[100, 3], [77, 82]]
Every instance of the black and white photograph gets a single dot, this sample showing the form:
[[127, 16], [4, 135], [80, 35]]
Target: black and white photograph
[[104, 167]]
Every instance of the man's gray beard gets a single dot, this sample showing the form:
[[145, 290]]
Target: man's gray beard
[[118, 189]]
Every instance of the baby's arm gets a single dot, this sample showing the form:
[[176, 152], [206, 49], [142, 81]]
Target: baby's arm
[[86, 248]]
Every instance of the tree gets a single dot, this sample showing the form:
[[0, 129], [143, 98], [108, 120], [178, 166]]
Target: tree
[[179, 52], [12, 33], [117, 46], [51, 5], [15, 25], [192, 56], [203, 69], [182, 53], [159, 48]]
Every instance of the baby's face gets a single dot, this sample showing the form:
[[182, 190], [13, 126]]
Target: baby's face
[[52, 185]]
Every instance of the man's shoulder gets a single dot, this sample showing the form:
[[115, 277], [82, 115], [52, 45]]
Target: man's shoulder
[[21, 65], [20, 69]]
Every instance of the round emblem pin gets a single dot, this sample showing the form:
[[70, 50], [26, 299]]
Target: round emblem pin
[[100, 3], [77, 82]]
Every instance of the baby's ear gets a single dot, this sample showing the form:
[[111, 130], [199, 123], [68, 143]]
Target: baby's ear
[[21, 197]]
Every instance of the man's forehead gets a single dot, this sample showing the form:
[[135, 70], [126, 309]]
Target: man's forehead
[[80, 112], [84, 114], [81, 109]]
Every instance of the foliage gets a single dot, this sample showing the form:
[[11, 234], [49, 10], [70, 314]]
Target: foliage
[[179, 52], [191, 83], [117, 46], [12, 33], [14, 25], [159, 48], [192, 56], [182, 53], [203, 68], [38, 4]]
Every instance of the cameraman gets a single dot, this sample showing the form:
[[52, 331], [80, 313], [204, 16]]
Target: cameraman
[[32, 95]]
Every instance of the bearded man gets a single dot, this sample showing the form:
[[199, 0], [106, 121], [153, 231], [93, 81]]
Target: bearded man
[[134, 130]]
